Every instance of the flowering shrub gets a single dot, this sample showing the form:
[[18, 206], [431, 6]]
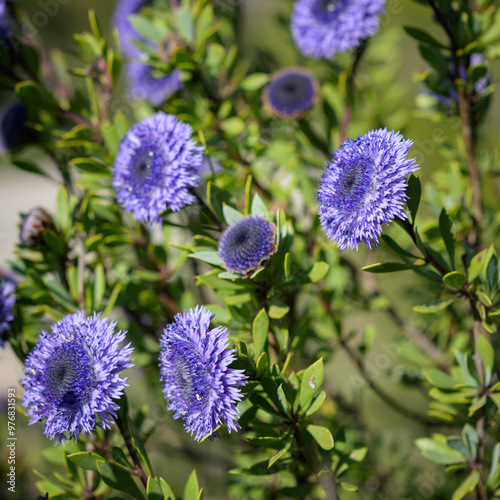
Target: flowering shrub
[[248, 239]]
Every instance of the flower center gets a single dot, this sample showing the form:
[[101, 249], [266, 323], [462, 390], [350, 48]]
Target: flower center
[[190, 376], [326, 10], [354, 183], [142, 165], [69, 376]]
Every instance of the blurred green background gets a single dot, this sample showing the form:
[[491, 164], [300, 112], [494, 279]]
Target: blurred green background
[[392, 56]]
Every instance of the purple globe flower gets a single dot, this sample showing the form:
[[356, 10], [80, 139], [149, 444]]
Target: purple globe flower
[[7, 301], [126, 33], [72, 376], [364, 187], [291, 93], [321, 28], [156, 165], [195, 375], [143, 86], [246, 244]]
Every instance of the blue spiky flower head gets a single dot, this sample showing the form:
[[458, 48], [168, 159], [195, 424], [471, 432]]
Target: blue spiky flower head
[[321, 28], [156, 165], [364, 187], [291, 93], [126, 33], [143, 86], [196, 378], [72, 376], [7, 301], [5, 21], [246, 244]]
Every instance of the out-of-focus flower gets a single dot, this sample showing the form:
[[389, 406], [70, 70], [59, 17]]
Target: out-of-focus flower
[[156, 165], [291, 93], [12, 125], [364, 187], [321, 28], [195, 375], [33, 226], [246, 244], [72, 376], [7, 302], [126, 33], [142, 85]]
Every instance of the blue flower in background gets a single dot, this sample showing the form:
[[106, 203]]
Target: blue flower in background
[[321, 28], [364, 187], [156, 165], [126, 33], [72, 376], [142, 85], [13, 131], [247, 244], [195, 375], [7, 302], [291, 93], [5, 21]]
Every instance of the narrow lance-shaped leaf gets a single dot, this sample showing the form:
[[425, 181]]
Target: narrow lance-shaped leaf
[[448, 234]]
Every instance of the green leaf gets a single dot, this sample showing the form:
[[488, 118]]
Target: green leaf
[[259, 208], [89, 165], [321, 435], [424, 37], [262, 364], [278, 312], [471, 440], [486, 352], [447, 231], [454, 280], [348, 486], [209, 256], [438, 452], [34, 96], [287, 265], [260, 329], [169, 494], [440, 379], [280, 453], [316, 404], [85, 460], [318, 271], [476, 265], [434, 308], [312, 379], [231, 215], [119, 456], [467, 486], [191, 489], [99, 286], [154, 489], [477, 72], [391, 267], [495, 458], [185, 24], [414, 193], [396, 248], [119, 478], [254, 81]]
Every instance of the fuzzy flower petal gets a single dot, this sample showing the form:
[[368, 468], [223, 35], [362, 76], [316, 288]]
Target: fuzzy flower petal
[[291, 93], [321, 28], [195, 375], [156, 164], [72, 376], [247, 244], [364, 187], [143, 86]]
